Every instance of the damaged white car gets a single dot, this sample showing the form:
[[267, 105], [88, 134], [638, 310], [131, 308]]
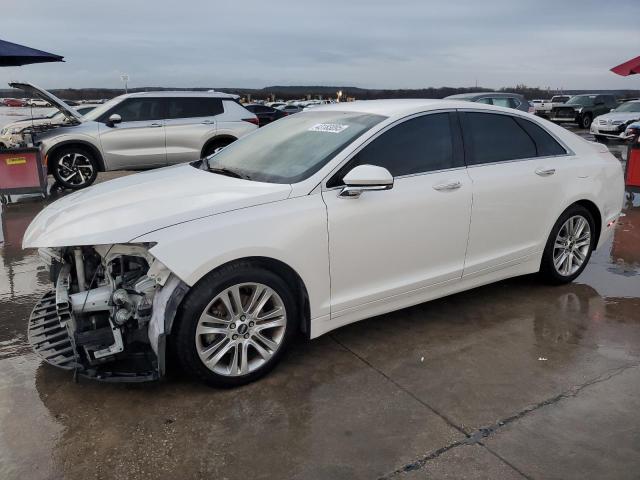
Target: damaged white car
[[321, 219]]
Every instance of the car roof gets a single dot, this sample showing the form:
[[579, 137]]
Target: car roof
[[185, 93], [406, 106], [483, 94]]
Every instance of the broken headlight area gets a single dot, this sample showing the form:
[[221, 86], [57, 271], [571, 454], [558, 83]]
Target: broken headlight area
[[106, 316]]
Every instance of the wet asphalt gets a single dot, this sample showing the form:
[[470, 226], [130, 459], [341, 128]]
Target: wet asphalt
[[508, 381]]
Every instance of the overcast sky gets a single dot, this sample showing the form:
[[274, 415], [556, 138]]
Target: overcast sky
[[365, 43]]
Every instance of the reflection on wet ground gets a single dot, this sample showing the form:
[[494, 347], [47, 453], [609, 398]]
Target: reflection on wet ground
[[513, 380]]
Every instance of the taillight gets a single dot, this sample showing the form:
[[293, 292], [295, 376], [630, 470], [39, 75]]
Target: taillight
[[253, 120]]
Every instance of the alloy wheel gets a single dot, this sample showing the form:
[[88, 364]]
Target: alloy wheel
[[74, 168], [572, 245], [241, 329]]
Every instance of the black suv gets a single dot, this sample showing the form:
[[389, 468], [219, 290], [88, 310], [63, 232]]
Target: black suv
[[582, 109]]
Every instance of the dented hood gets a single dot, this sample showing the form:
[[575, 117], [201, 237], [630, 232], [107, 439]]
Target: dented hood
[[123, 209]]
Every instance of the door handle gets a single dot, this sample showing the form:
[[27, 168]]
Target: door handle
[[207, 122], [545, 172], [447, 186], [155, 125]]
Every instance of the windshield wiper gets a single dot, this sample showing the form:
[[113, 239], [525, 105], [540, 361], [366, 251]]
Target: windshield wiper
[[228, 173]]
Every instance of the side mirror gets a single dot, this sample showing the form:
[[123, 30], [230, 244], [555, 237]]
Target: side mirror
[[365, 178], [114, 119]]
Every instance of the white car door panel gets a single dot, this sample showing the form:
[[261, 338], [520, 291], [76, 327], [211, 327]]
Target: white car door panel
[[518, 171], [390, 242]]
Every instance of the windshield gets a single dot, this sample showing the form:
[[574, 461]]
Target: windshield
[[584, 100], [98, 111], [294, 148], [629, 107]]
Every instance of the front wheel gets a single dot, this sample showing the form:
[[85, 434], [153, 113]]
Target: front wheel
[[235, 325], [585, 122], [569, 246], [74, 168]]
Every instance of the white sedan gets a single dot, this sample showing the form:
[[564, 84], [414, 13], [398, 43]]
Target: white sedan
[[316, 221]]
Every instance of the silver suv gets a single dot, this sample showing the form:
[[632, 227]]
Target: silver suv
[[139, 131]]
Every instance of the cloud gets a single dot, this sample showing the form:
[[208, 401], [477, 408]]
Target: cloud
[[380, 44]]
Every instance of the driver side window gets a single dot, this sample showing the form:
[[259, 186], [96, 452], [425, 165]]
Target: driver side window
[[419, 145], [138, 109]]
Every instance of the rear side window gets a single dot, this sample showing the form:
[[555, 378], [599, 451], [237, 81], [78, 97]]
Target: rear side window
[[546, 145], [190, 107], [502, 102], [493, 138], [422, 144]]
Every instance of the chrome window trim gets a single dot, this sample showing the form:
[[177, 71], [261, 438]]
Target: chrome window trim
[[568, 150], [324, 181]]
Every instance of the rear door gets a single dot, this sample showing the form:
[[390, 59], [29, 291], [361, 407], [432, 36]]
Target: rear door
[[518, 170], [138, 141], [190, 122]]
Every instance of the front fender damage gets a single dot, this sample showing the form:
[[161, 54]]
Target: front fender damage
[[109, 314]]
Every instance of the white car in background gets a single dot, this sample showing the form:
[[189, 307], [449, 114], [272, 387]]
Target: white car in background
[[613, 124], [544, 107], [313, 222]]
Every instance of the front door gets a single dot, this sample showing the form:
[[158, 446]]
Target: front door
[[138, 142], [400, 241]]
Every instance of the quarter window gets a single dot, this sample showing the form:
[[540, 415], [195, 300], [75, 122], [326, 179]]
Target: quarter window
[[546, 145], [495, 138], [418, 145], [193, 107]]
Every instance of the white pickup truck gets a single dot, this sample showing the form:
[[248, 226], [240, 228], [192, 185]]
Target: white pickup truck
[[545, 106]]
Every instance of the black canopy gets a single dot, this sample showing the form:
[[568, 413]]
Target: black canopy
[[13, 55]]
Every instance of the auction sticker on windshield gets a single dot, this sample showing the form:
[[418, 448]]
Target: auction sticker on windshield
[[329, 127]]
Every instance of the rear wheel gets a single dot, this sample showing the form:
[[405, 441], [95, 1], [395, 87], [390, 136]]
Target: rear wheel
[[569, 246], [235, 325], [74, 168]]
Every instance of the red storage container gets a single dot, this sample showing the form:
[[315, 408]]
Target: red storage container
[[21, 171]]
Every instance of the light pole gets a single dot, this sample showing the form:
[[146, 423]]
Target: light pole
[[125, 78]]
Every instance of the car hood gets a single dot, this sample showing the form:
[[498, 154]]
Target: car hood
[[620, 116], [32, 89], [123, 209]]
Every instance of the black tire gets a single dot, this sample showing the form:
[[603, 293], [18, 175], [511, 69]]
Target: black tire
[[85, 172], [548, 270], [212, 146], [585, 121], [601, 139], [183, 337]]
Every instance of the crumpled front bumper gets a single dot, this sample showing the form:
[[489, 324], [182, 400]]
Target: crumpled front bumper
[[48, 337]]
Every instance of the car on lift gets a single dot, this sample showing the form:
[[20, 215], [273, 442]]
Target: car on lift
[[321, 219], [138, 131]]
